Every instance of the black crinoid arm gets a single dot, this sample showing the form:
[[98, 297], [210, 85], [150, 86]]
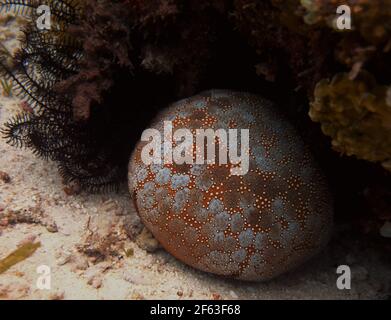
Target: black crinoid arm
[[45, 60], [63, 85], [42, 69]]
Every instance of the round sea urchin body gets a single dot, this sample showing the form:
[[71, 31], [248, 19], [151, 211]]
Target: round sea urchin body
[[251, 227]]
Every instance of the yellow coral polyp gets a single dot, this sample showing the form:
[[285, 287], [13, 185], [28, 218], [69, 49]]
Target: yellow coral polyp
[[356, 114]]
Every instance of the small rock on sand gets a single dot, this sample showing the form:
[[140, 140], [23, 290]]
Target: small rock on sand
[[146, 241]]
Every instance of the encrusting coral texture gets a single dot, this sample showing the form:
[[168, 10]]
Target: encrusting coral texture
[[253, 226]]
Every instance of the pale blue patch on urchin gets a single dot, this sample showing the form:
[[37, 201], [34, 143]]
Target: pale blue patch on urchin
[[155, 168], [203, 184], [141, 174], [163, 176], [247, 116], [197, 169], [263, 163], [199, 104], [288, 235], [221, 221], [260, 241], [279, 207], [246, 238], [202, 214], [237, 222], [239, 255], [149, 187], [147, 197], [219, 238], [180, 199], [179, 180], [148, 192], [216, 206], [256, 261]]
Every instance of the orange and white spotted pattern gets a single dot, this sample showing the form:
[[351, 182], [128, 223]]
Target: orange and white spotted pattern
[[251, 227]]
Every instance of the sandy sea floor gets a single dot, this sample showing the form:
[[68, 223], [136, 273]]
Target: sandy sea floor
[[92, 245]]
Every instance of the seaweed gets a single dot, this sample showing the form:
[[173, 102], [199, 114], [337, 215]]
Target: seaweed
[[20, 254]]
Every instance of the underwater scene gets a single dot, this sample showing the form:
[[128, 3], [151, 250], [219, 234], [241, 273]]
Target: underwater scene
[[195, 150]]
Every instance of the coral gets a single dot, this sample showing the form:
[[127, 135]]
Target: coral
[[356, 114], [253, 226]]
